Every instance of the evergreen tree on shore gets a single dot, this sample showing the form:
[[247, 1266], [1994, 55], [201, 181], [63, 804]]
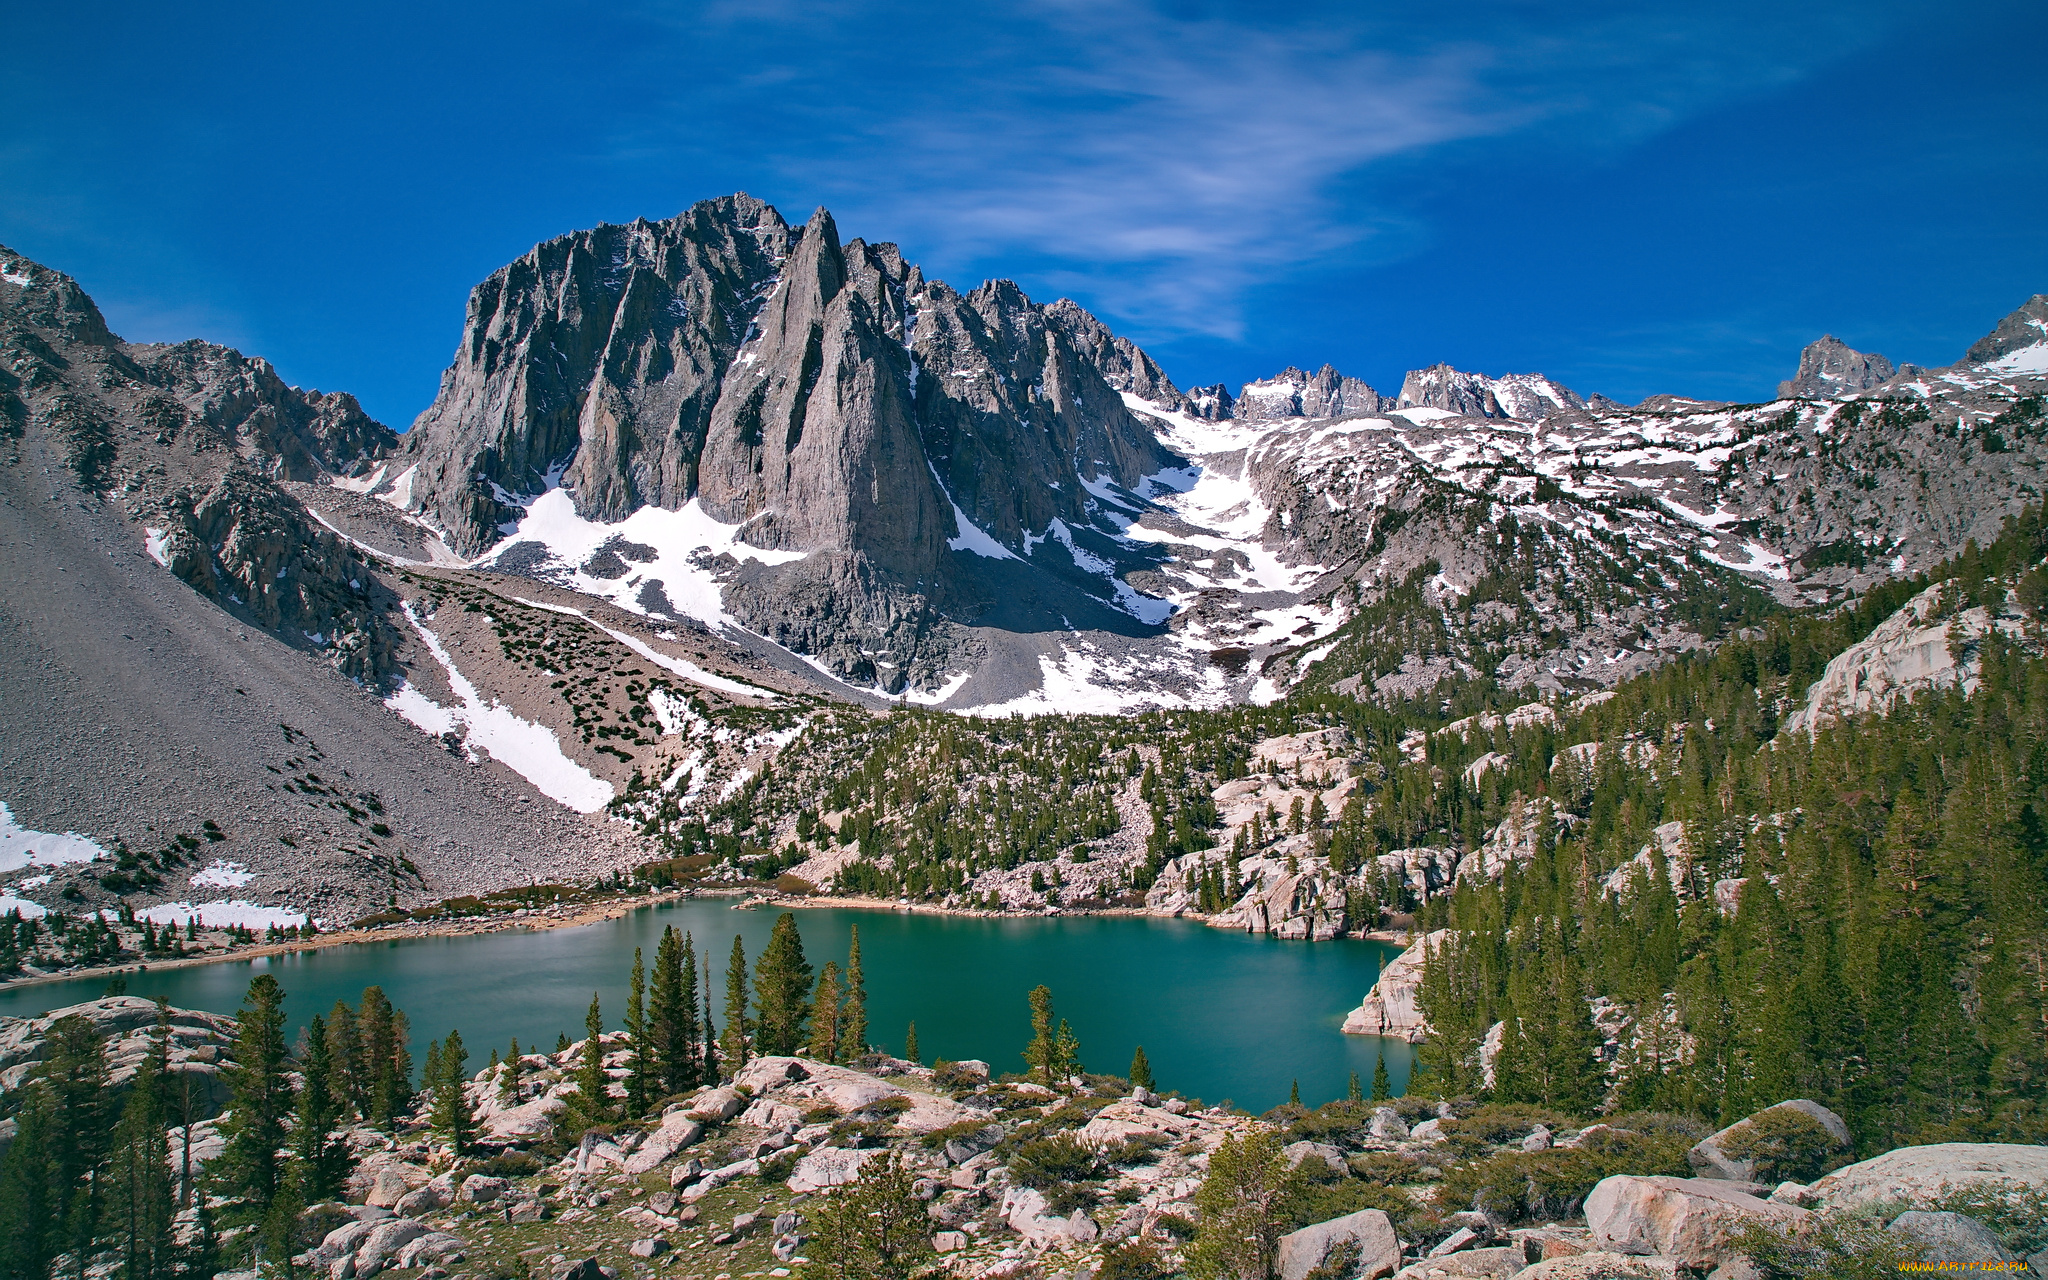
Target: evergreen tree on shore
[[387, 1065], [910, 1050], [141, 1203], [640, 1069], [593, 1102], [1141, 1070], [670, 1019], [248, 1169], [826, 1012], [853, 1021], [450, 1112], [733, 1046], [782, 988], [320, 1155]]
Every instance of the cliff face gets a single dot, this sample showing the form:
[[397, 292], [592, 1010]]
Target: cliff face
[[823, 397]]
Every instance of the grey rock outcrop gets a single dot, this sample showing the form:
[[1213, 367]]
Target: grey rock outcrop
[[1830, 369], [1694, 1222], [2025, 327], [1709, 1160], [824, 397], [1521, 396], [199, 437], [1294, 393], [1921, 1175], [198, 1043], [1951, 1238], [1370, 1229]]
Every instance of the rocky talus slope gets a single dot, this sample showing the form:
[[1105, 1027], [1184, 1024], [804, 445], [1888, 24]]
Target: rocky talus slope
[[1013, 1179]]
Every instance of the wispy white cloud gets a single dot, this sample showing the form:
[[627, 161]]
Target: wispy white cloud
[[1162, 165]]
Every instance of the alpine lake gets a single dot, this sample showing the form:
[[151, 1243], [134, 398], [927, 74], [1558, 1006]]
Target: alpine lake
[[1222, 1015]]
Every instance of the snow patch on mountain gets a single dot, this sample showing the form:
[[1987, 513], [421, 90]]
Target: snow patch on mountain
[[25, 847], [223, 913], [530, 750], [653, 555]]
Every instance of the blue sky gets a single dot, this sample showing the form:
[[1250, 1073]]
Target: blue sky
[[1631, 198]]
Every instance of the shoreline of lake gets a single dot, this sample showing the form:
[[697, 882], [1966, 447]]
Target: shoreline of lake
[[597, 913]]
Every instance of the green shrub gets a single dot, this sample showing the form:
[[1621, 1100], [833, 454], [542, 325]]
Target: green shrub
[[1660, 1124], [1499, 1122], [1787, 1145], [1134, 1259], [1310, 1201], [2016, 1213], [1382, 1168], [1137, 1149], [1833, 1246], [1046, 1163], [511, 1164], [1520, 1186]]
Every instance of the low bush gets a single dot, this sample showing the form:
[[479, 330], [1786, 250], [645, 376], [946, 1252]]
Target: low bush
[[1382, 1168], [1787, 1145], [2017, 1214], [1137, 1149], [1832, 1246], [1134, 1259], [1046, 1163], [511, 1164]]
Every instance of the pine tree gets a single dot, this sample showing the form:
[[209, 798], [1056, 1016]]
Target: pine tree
[[1353, 1092], [248, 1169], [320, 1157], [675, 1063], [593, 1102], [710, 1073], [345, 1052], [1294, 1094], [1067, 1052], [782, 986], [1141, 1070], [508, 1077], [640, 1069], [1243, 1203], [910, 1050], [452, 1116], [873, 1228], [387, 1065], [76, 1072], [733, 1047], [1382, 1085], [1042, 1054], [141, 1205], [853, 1022], [825, 1015], [31, 1197]]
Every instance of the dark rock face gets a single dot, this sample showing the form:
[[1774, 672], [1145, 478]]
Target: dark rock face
[[2024, 328], [198, 437], [1295, 394], [1521, 396], [1830, 368], [605, 349], [823, 396], [248, 541]]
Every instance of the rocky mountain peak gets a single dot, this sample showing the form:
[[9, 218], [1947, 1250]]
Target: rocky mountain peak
[[1524, 397], [2027, 327], [1830, 368], [1294, 393]]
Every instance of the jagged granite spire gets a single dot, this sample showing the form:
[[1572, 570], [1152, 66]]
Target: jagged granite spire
[[2024, 328], [1522, 396], [1294, 393], [1830, 368]]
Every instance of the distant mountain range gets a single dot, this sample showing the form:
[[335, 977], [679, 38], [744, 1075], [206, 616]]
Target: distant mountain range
[[769, 472]]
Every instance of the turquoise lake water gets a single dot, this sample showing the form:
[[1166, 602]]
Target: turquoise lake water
[[1221, 1015]]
